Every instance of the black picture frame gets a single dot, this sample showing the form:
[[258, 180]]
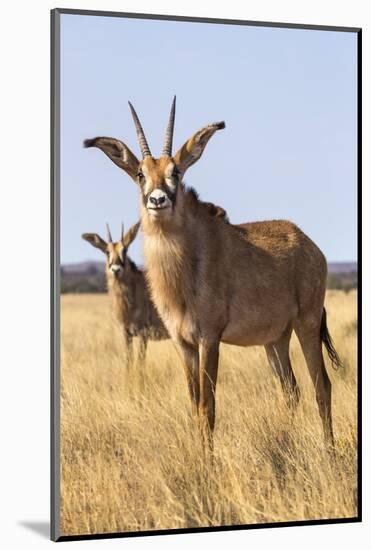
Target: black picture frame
[[55, 270]]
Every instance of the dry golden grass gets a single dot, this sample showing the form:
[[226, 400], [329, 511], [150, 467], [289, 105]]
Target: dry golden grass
[[131, 456]]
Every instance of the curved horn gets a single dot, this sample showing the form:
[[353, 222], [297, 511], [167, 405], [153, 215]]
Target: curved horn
[[141, 137], [168, 144], [122, 231], [109, 236]]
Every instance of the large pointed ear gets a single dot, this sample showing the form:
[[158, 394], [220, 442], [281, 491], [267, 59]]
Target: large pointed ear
[[194, 147], [95, 240], [130, 235], [118, 152]]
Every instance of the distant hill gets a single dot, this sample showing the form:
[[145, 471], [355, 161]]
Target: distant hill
[[83, 277], [83, 267], [342, 275], [342, 267], [89, 276]]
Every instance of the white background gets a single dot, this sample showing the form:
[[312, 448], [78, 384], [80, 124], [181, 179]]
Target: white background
[[24, 288]]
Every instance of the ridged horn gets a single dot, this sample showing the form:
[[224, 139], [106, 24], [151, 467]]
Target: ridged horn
[[141, 137], [122, 231], [109, 236], [168, 143]]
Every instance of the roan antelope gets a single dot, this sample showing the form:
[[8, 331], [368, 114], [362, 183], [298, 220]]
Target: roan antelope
[[212, 282], [131, 304]]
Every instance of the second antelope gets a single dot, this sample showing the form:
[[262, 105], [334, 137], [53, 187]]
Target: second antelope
[[212, 282], [131, 304]]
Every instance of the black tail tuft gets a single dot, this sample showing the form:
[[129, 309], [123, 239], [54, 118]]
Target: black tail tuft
[[327, 340]]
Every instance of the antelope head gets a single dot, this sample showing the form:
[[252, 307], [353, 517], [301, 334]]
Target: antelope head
[[115, 252], [159, 179]]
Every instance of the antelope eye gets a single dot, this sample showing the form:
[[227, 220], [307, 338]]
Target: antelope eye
[[140, 175]]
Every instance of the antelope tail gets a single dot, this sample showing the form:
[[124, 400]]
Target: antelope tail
[[329, 345]]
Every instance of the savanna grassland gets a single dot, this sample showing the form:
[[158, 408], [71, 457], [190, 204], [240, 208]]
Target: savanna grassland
[[131, 458]]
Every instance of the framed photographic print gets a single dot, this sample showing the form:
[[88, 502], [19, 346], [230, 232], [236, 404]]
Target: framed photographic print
[[206, 367]]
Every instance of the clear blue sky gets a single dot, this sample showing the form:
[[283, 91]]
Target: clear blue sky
[[288, 98]]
